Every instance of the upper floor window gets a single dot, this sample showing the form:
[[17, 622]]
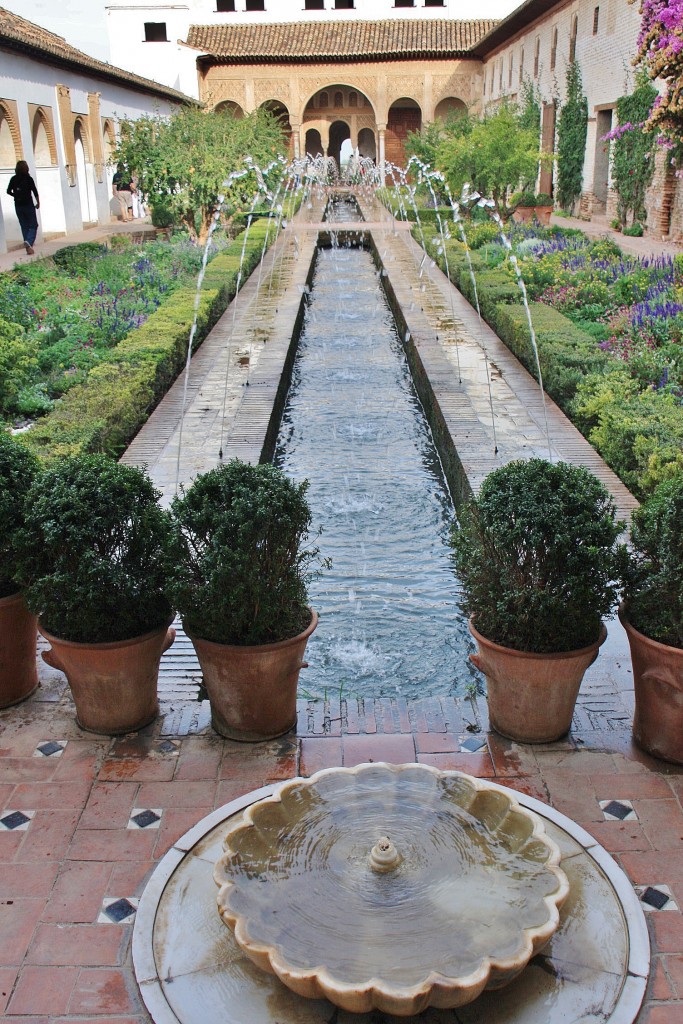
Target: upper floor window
[[343, 5], [323, 100], [404, 3], [521, 65], [155, 32], [338, 99], [596, 20], [537, 56], [255, 5], [223, 6], [510, 62], [435, 3], [500, 76], [315, 5], [353, 99], [572, 38], [553, 50]]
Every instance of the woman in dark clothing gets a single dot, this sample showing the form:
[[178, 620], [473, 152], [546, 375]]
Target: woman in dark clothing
[[22, 188]]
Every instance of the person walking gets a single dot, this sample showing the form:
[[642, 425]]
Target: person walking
[[123, 190], [22, 188]]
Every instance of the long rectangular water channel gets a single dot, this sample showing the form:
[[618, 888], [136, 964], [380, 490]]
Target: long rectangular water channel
[[353, 426]]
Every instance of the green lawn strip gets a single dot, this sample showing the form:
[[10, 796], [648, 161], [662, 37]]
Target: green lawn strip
[[104, 412]]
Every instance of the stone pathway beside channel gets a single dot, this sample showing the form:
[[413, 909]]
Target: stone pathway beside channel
[[84, 819]]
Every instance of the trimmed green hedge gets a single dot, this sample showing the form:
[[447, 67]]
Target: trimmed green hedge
[[107, 410], [494, 288], [566, 353]]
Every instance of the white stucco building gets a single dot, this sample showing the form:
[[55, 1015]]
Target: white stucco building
[[59, 110]]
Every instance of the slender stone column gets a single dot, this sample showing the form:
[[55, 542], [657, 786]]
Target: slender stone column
[[381, 129]]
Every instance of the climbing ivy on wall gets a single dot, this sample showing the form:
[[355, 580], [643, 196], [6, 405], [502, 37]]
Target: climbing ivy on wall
[[571, 141], [633, 160], [530, 107]]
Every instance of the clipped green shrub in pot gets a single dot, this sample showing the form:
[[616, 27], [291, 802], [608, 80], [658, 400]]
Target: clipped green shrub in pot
[[652, 615], [92, 557], [538, 556], [18, 626], [239, 581]]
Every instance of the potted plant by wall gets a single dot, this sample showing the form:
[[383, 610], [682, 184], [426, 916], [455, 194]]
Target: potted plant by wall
[[18, 626], [543, 208], [92, 555], [524, 207], [652, 615], [538, 557], [239, 581]]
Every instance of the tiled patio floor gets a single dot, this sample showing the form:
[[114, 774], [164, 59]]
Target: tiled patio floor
[[76, 847]]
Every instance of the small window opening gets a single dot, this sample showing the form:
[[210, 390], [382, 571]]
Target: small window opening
[[155, 32]]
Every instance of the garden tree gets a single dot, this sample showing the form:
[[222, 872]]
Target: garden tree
[[571, 139], [633, 161], [660, 49], [425, 144], [496, 156], [182, 162]]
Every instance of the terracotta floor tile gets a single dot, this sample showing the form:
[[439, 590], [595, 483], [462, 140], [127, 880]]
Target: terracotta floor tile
[[667, 1014], [104, 990], [43, 990], [618, 836], [193, 793], [32, 880], [18, 921], [199, 760], [510, 758], [659, 986], [528, 784], [8, 976], [480, 764], [674, 968], [174, 824], [229, 789], [109, 805], [6, 790], [51, 795], [617, 786], [129, 878], [143, 1018], [112, 844], [574, 797], [668, 931], [26, 769], [135, 769], [318, 752], [78, 893], [436, 743], [48, 836], [661, 866], [85, 945], [395, 749], [662, 821]]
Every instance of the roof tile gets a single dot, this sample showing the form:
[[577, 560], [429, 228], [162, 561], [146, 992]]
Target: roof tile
[[338, 40]]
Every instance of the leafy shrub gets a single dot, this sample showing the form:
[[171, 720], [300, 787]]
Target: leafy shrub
[[18, 356], [566, 353], [654, 589], [494, 287], [18, 470], [638, 433], [74, 259], [537, 556], [92, 551], [544, 199], [523, 199], [162, 215], [479, 235], [615, 224], [634, 231], [241, 570]]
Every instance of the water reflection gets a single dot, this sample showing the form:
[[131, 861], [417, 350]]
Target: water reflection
[[389, 620]]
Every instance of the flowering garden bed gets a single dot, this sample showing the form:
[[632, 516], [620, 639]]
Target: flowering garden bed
[[608, 329], [93, 339]]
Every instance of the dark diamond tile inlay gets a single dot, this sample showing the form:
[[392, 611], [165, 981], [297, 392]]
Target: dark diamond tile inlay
[[145, 818], [14, 820], [120, 911], [472, 745], [618, 810], [655, 898], [50, 748]]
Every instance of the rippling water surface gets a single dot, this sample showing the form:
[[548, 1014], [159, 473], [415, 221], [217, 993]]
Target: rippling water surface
[[389, 619]]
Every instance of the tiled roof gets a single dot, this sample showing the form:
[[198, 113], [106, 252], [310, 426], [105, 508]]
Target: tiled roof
[[19, 34], [338, 40]]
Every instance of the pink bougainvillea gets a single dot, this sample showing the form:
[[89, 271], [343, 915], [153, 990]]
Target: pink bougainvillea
[[660, 50]]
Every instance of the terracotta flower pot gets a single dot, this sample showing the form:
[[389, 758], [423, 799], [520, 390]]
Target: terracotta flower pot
[[524, 214], [543, 214], [658, 688], [531, 697], [252, 690], [18, 635], [113, 685]]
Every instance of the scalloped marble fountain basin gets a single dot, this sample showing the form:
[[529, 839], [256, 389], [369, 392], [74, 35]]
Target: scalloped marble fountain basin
[[390, 887]]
